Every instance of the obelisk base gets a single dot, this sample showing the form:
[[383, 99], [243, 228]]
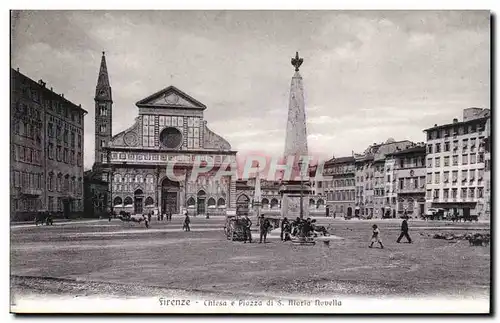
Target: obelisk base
[[290, 201]]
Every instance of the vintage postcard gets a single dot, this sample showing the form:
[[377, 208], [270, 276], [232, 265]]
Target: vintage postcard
[[217, 161]]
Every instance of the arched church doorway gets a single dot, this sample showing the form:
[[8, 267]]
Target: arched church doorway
[[200, 209], [170, 196], [138, 201], [242, 204]]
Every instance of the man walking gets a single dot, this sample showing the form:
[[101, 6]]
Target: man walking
[[264, 226], [247, 229], [404, 231]]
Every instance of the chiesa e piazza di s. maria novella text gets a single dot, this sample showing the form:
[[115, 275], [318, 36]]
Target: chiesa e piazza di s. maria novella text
[[170, 127]]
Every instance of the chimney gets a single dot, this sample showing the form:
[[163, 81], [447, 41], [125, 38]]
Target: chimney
[[62, 94], [51, 89], [455, 120], [435, 125], [41, 82], [18, 69]]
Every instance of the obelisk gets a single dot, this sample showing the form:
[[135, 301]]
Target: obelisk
[[294, 191], [257, 196]]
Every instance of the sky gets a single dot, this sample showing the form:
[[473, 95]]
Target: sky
[[368, 75]]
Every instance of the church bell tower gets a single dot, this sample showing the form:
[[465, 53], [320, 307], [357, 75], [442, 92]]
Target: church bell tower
[[103, 113]]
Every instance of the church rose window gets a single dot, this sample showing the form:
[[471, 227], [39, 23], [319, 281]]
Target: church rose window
[[171, 137]]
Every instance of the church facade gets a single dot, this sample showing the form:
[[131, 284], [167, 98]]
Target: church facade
[[170, 129]]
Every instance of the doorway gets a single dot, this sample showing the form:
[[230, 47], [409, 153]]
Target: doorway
[[138, 201], [200, 202], [169, 196]]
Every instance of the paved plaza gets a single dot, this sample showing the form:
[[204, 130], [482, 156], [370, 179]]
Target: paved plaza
[[101, 258]]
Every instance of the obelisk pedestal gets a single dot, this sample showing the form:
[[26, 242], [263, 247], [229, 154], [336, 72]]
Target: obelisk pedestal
[[295, 190]]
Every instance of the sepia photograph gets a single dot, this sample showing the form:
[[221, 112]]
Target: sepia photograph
[[250, 161]]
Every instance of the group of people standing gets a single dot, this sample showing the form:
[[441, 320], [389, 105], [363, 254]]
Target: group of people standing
[[264, 226]]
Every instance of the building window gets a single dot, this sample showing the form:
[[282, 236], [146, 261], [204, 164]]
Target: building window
[[454, 192], [103, 110], [465, 144], [437, 178], [472, 192], [429, 192], [429, 162], [455, 160], [472, 174], [429, 148], [455, 145], [465, 159], [446, 161], [481, 158], [464, 193], [102, 128], [480, 174], [438, 162], [59, 153], [447, 146], [429, 178], [79, 141], [50, 182], [455, 176], [50, 130], [436, 194], [438, 148], [103, 143], [401, 183], [446, 193], [79, 159], [473, 158], [65, 137], [446, 176], [51, 151], [464, 175], [480, 192]]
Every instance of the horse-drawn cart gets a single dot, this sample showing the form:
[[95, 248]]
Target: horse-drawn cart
[[234, 228]]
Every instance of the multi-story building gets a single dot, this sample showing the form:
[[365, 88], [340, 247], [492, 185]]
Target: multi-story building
[[405, 181], [342, 200], [487, 170], [456, 164], [46, 142], [374, 180]]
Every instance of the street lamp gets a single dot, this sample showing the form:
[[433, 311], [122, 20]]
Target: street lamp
[[301, 190]]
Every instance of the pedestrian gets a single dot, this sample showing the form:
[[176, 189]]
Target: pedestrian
[[146, 221], [376, 237], [247, 229], [170, 215], [284, 224], [264, 227], [187, 221], [149, 216], [404, 231]]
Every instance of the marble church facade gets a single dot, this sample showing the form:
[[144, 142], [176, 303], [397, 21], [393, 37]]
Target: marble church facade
[[170, 128]]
